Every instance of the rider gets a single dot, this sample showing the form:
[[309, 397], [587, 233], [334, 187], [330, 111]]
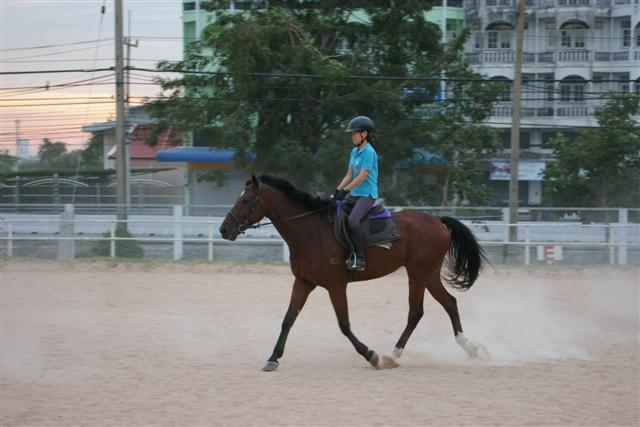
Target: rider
[[360, 184]]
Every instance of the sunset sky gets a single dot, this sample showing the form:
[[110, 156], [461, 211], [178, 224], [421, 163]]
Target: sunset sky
[[59, 35]]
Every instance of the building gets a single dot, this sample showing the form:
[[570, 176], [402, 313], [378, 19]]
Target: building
[[574, 50]]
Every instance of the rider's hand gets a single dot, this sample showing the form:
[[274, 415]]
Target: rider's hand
[[341, 195], [335, 194]]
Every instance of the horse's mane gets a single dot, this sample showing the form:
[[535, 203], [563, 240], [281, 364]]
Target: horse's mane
[[305, 199]]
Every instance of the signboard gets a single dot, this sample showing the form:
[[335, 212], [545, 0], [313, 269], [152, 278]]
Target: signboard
[[527, 171], [549, 253]]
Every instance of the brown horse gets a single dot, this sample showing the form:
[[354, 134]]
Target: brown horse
[[318, 260]]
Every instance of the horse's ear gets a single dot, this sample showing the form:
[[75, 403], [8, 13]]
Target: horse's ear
[[254, 181]]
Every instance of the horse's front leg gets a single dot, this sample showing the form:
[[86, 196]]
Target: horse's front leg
[[338, 297], [299, 294]]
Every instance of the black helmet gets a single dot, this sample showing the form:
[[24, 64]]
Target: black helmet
[[360, 123]]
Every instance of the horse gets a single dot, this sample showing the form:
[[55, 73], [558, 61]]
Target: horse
[[317, 259]]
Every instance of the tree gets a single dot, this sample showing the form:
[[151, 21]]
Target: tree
[[7, 162], [50, 152], [602, 167], [281, 85]]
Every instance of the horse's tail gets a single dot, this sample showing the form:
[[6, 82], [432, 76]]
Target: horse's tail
[[466, 257]]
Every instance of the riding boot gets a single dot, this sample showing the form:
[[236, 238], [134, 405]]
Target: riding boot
[[356, 261]]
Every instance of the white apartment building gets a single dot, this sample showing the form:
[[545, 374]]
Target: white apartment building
[[574, 50]]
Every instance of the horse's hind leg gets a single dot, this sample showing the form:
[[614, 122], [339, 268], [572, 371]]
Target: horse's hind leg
[[416, 311], [299, 294], [448, 302]]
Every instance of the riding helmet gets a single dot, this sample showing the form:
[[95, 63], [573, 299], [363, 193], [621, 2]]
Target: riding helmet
[[360, 123]]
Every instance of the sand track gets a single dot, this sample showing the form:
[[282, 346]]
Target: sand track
[[142, 344]]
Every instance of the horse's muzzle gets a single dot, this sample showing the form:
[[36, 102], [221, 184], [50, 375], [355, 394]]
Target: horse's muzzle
[[229, 233]]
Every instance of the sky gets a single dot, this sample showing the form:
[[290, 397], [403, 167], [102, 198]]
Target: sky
[[62, 35]]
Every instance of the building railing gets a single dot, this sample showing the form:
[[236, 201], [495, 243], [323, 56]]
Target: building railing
[[549, 4], [581, 56]]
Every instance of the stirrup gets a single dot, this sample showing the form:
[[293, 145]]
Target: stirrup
[[353, 264]]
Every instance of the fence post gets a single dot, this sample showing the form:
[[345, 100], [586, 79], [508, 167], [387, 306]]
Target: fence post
[[112, 232], [505, 221], [527, 248], [9, 239], [611, 248], [623, 217], [66, 246], [177, 233], [210, 241], [285, 252]]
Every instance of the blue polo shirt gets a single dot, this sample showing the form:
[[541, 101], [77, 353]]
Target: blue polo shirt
[[366, 158]]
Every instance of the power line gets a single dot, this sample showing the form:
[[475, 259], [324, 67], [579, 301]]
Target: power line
[[54, 45], [309, 76]]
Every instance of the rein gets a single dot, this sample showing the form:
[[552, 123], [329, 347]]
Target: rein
[[292, 218], [243, 226]]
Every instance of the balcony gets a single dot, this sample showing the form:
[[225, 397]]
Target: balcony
[[543, 109], [573, 55], [548, 4]]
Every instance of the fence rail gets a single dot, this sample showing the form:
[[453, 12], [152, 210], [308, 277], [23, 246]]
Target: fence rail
[[177, 230]]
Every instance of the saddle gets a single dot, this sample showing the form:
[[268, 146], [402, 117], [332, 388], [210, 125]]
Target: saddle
[[378, 226]]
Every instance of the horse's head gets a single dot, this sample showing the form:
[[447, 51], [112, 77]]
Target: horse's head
[[246, 211]]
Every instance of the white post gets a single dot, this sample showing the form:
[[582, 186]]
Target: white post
[[112, 232], [285, 252], [66, 246], [527, 248], [611, 248], [210, 241], [623, 217], [9, 239], [505, 221], [177, 233]]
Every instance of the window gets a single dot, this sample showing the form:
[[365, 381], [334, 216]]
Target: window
[[578, 93], [573, 34], [549, 88], [551, 39], [479, 41], [625, 26], [492, 40], [505, 40], [499, 35], [572, 91], [191, 5]]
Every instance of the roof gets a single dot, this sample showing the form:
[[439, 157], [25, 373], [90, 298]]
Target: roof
[[139, 150], [99, 127], [196, 155]]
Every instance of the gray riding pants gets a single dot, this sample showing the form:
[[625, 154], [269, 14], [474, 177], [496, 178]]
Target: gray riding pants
[[360, 209]]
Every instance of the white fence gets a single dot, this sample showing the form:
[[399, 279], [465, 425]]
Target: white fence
[[177, 229]]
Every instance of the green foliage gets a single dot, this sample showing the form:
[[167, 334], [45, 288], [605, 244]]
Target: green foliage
[[124, 248], [7, 162], [50, 152], [282, 87], [602, 167]]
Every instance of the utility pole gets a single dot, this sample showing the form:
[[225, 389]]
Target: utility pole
[[121, 163], [129, 44], [515, 127]]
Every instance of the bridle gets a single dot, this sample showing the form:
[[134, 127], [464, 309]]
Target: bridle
[[242, 220]]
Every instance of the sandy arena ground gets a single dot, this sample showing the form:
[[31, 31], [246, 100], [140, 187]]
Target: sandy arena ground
[[99, 344]]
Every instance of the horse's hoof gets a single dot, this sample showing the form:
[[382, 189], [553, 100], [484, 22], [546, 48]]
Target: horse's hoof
[[482, 353], [388, 363], [374, 361], [270, 366], [397, 352]]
